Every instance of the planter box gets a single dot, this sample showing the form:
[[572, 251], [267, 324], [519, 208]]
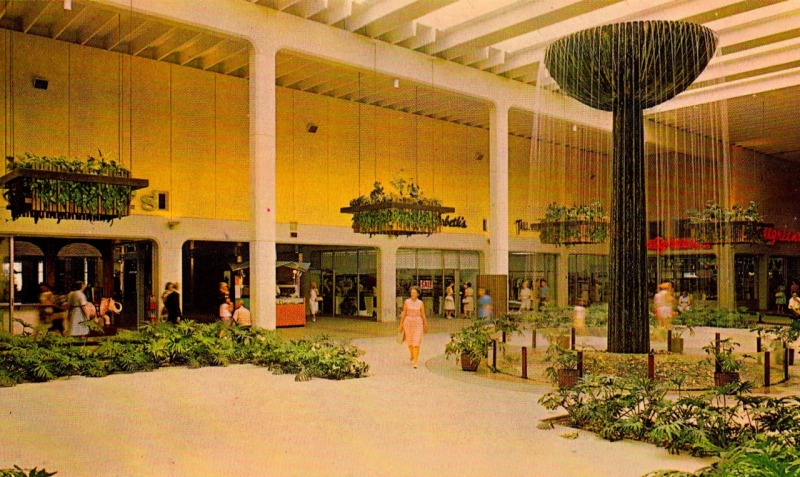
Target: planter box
[[469, 364], [397, 218], [567, 378], [676, 346], [725, 378], [721, 232], [25, 200], [573, 232]]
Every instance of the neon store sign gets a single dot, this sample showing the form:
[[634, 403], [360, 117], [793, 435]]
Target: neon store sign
[[773, 235], [661, 244]]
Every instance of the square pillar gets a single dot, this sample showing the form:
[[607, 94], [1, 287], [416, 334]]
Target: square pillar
[[262, 186], [497, 257], [387, 283]]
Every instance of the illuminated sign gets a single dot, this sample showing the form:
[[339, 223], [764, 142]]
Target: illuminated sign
[[426, 284], [660, 244], [773, 235]]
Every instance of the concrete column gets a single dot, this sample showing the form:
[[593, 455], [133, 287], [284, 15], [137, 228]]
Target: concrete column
[[387, 283], [562, 279], [262, 185], [762, 277], [725, 278], [497, 256]]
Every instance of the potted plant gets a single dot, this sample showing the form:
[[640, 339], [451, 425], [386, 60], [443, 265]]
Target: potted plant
[[470, 343], [715, 224], [726, 366], [564, 368], [58, 188], [553, 322], [406, 211], [579, 224], [780, 338], [682, 324]]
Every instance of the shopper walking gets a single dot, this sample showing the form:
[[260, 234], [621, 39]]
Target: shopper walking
[[664, 305], [413, 323], [79, 311], [524, 297], [469, 304], [450, 302], [313, 300], [173, 304]]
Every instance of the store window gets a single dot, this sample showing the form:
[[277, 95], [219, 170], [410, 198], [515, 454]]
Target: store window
[[533, 268], [347, 279], [588, 278], [432, 271], [695, 274], [745, 269]]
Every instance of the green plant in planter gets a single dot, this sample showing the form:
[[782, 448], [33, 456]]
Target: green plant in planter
[[724, 357], [563, 225], [472, 340], [562, 359]]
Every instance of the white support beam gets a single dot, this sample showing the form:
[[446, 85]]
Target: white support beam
[[496, 58], [127, 30], [500, 26], [401, 33], [425, 36], [385, 16], [474, 56], [209, 45], [155, 36], [733, 89], [85, 35], [338, 10], [766, 56], [226, 54], [779, 23], [183, 39]]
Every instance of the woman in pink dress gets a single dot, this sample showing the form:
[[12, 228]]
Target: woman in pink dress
[[413, 324]]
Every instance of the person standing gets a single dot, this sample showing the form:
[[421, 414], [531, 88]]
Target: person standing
[[579, 316], [544, 293], [224, 298], [413, 323], [780, 299], [241, 316], [449, 302], [172, 303], [164, 314], [46, 302], [663, 305], [313, 300], [79, 311], [225, 311], [524, 297], [794, 305], [469, 304]]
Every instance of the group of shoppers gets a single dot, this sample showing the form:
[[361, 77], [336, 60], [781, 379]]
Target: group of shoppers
[[525, 295], [76, 310], [230, 313]]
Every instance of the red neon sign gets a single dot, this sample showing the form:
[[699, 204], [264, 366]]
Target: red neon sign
[[772, 235], [660, 244]]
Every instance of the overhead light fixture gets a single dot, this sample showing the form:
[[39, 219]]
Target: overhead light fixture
[[396, 82], [312, 128], [40, 83], [67, 4], [478, 156], [574, 128]]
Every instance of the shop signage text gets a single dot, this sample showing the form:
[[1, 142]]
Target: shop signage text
[[660, 244], [773, 235], [522, 226], [457, 222], [426, 284]]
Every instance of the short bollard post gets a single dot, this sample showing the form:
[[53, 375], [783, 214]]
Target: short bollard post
[[533, 339], [524, 362], [572, 339], [580, 364], [767, 379], [669, 341], [494, 356], [758, 344], [504, 337], [717, 368], [791, 356], [716, 342], [786, 364], [651, 365]]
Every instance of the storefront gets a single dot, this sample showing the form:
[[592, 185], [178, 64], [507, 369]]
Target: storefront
[[533, 268], [588, 278], [205, 265], [109, 268], [432, 271]]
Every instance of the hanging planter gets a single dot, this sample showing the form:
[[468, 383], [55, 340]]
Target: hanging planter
[[398, 213], [716, 225], [583, 224], [57, 188]]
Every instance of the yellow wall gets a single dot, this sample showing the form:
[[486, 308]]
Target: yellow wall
[[184, 129], [319, 173]]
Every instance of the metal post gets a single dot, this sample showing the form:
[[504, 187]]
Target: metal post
[[533, 338], [758, 344], [580, 364], [494, 356], [572, 339], [669, 341], [524, 362], [791, 356], [504, 337], [786, 364], [716, 342], [651, 365], [766, 369]]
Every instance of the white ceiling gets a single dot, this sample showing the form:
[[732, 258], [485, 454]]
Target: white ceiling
[[757, 69]]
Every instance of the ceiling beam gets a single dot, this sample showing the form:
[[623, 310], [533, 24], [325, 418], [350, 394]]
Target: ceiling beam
[[732, 89], [766, 56], [132, 26], [206, 45], [29, 20], [93, 28], [181, 40], [234, 48], [338, 10], [59, 27], [425, 36], [497, 26], [401, 33], [780, 20], [386, 15], [157, 34]]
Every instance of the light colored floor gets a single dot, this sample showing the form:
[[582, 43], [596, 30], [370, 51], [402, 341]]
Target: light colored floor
[[244, 421]]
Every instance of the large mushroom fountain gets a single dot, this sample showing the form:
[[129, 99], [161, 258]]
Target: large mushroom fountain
[[626, 68]]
